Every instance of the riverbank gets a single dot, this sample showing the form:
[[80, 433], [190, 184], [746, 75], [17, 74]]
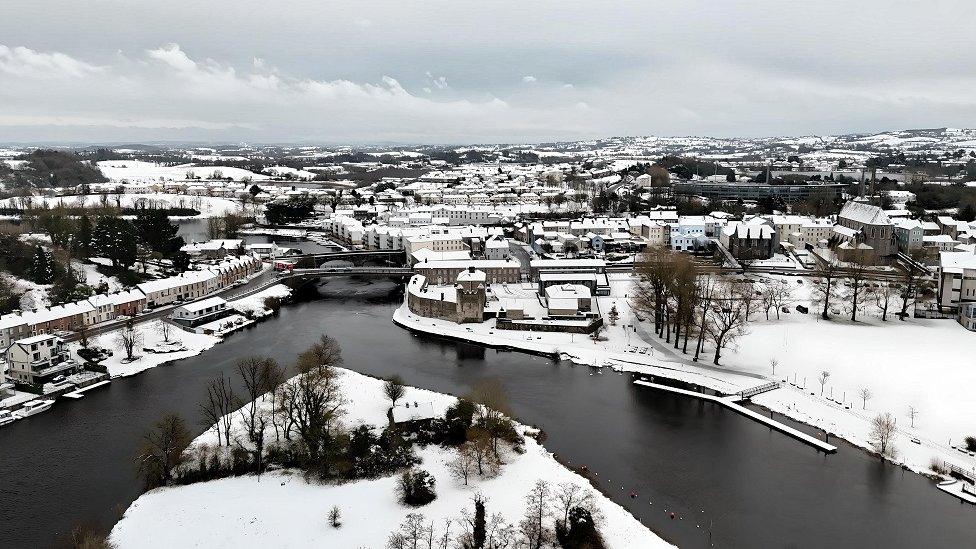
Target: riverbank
[[743, 485], [293, 512], [630, 346], [152, 335]]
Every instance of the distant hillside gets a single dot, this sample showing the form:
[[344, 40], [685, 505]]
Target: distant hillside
[[50, 168]]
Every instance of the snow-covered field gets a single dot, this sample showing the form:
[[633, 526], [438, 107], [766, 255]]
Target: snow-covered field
[[283, 510], [918, 363], [138, 171]]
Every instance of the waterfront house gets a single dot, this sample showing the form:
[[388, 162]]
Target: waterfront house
[[39, 359]]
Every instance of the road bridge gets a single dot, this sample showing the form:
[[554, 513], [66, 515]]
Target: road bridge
[[345, 271], [355, 256]]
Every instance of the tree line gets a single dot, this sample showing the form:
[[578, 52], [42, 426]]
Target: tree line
[[690, 309]]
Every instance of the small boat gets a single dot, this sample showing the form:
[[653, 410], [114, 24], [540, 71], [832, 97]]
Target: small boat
[[34, 407], [6, 417]]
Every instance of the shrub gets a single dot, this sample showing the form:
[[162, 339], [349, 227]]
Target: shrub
[[29, 387], [272, 304], [416, 488], [936, 466], [579, 531], [971, 443]]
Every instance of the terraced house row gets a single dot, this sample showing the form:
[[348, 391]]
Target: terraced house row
[[104, 307]]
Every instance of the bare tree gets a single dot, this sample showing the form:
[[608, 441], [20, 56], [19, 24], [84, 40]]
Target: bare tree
[[165, 329], [258, 375], [411, 535], [84, 336], [654, 271], [773, 362], [883, 299], [313, 400], [335, 516], [866, 395], [912, 284], [324, 354], [215, 228], [129, 337], [727, 318], [216, 409], [492, 411], [912, 412], [480, 443], [463, 464], [394, 389], [706, 288], [857, 273], [824, 285], [882, 432], [162, 450], [569, 495], [824, 376], [533, 525]]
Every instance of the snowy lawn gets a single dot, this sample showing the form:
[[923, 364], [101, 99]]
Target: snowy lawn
[[282, 510], [254, 304], [919, 363], [151, 336]]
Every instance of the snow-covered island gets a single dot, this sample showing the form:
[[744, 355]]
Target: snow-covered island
[[284, 508]]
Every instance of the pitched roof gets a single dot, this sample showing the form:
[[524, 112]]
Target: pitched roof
[[864, 213]]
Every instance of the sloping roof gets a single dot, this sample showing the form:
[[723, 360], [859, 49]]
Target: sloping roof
[[864, 213], [957, 260]]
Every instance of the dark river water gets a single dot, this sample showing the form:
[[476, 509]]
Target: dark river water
[[196, 230], [721, 473]]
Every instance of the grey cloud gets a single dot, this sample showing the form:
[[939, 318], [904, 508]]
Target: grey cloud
[[456, 71]]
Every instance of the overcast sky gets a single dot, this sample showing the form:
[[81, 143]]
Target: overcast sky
[[491, 71]]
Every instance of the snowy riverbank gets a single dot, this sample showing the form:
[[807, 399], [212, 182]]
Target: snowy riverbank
[[281, 509], [918, 363], [151, 335]]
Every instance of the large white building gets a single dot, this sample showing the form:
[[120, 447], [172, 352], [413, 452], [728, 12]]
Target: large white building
[[957, 285]]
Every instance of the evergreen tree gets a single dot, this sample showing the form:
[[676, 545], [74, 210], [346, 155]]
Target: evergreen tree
[[114, 238], [42, 266], [155, 230], [967, 213], [479, 531], [83, 238]]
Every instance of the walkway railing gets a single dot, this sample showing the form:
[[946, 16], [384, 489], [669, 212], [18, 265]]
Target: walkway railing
[[765, 388]]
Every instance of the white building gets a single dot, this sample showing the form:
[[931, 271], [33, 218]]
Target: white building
[[199, 312], [39, 359], [187, 286], [497, 248]]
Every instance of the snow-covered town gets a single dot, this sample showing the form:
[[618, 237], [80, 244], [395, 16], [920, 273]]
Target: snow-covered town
[[844, 305], [447, 275]]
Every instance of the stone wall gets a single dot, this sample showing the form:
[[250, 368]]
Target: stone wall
[[529, 326]]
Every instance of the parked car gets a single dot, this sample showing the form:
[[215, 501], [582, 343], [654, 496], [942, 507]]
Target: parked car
[[802, 309]]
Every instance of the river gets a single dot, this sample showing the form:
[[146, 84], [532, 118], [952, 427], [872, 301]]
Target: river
[[720, 472]]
